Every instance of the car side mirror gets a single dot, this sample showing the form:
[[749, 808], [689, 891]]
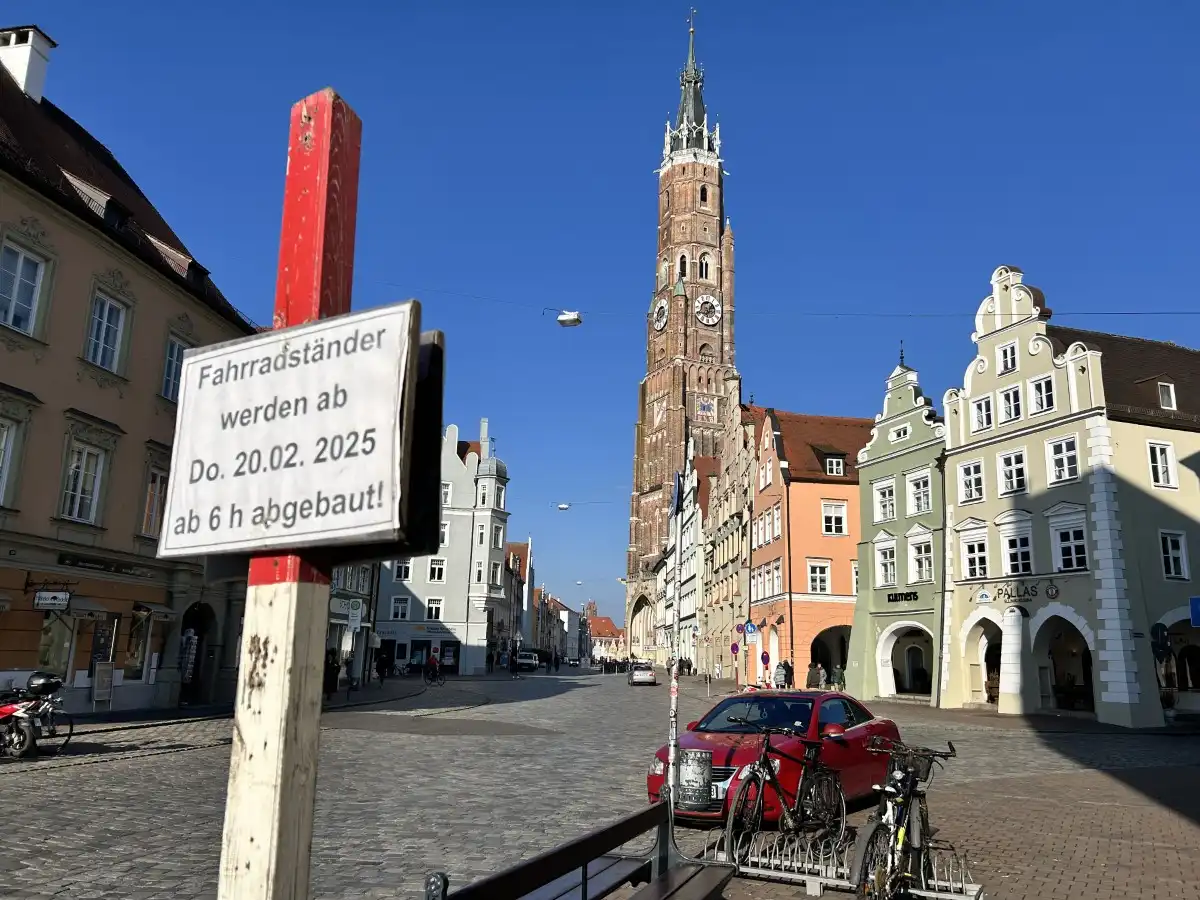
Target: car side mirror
[[832, 730], [691, 726]]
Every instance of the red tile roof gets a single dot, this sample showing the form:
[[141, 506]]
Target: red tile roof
[[520, 549], [39, 144], [604, 627], [465, 447], [807, 441]]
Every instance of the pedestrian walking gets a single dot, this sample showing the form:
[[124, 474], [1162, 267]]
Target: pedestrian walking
[[383, 665], [717, 670], [780, 676], [488, 661], [790, 673], [557, 661], [839, 678], [512, 665], [813, 680], [821, 676], [332, 669]]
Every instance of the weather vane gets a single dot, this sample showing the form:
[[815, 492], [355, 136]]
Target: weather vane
[[692, 20]]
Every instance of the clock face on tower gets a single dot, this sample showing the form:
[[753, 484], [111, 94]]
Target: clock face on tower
[[708, 309], [658, 317]]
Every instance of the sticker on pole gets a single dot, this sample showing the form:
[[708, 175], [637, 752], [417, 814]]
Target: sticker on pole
[[293, 438]]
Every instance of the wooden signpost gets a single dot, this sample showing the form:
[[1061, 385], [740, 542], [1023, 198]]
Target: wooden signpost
[[267, 839], [323, 434]]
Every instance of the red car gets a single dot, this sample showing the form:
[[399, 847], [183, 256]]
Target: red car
[[842, 723]]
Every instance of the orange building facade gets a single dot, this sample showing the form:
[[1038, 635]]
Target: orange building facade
[[804, 537]]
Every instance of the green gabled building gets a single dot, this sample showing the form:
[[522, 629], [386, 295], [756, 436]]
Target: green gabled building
[[895, 644]]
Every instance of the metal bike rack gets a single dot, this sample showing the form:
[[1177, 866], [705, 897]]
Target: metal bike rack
[[820, 864]]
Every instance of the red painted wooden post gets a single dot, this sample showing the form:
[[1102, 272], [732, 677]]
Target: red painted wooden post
[[267, 837]]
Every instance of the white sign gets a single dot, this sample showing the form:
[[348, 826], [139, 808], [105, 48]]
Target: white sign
[[292, 438], [56, 600], [354, 619]]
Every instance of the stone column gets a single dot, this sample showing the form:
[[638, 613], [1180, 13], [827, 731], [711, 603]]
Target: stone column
[[1012, 656]]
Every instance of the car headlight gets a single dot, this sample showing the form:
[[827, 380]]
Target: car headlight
[[776, 762], [658, 767]]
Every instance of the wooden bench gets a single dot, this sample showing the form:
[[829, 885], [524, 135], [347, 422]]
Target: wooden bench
[[587, 869]]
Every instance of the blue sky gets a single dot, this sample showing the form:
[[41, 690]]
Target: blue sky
[[884, 158]]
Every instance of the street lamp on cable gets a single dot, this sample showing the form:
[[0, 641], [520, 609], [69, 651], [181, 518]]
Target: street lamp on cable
[[565, 317]]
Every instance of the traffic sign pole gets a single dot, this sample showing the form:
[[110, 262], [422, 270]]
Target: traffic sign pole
[[267, 840]]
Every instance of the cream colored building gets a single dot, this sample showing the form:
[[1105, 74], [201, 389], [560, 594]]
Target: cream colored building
[[99, 299], [727, 533], [1071, 505]]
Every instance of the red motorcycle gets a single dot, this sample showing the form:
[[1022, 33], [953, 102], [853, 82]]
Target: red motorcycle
[[34, 715]]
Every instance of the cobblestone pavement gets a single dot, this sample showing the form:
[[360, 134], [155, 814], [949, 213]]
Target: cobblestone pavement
[[476, 775]]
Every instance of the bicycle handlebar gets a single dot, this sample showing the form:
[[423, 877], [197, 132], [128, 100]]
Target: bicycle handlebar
[[879, 744]]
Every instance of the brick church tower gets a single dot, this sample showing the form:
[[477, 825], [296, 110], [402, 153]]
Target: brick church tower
[[689, 330]]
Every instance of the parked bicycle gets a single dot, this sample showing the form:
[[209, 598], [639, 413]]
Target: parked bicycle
[[892, 849], [818, 807]]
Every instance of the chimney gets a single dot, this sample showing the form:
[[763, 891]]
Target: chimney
[[25, 52], [484, 446]]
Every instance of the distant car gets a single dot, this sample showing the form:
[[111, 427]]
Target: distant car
[[841, 723], [642, 673], [528, 661], [574, 663]]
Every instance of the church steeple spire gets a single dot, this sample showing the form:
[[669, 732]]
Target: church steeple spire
[[691, 130]]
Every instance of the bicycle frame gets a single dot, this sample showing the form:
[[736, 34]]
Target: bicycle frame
[[793, 815], [901, 795]]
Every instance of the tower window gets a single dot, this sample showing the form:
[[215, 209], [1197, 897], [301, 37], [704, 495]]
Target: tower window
[[703, 194], [702, 267], [682, 266]]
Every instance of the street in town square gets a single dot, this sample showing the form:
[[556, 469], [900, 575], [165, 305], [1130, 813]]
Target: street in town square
[[470, 777], [342, 579]]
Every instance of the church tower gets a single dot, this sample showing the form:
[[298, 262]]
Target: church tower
[[689, 328]]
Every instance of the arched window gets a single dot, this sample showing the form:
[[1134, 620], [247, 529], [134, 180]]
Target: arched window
[[703, 194], [706, 353], [702, 267], [682, 266]]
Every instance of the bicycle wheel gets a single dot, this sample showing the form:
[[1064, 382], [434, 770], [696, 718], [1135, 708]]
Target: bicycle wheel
[[871, 875], [926, 861], [824, 804], [56, 733], [441, 679], [744, 819]]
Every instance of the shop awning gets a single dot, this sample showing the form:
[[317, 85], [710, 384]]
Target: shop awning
[[86, 608], [157, 611]]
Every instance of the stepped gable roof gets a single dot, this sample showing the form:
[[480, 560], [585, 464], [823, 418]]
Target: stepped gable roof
[[706, 467]]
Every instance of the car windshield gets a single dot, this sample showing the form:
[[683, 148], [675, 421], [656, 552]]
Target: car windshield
[[642, 667], [764, 712]]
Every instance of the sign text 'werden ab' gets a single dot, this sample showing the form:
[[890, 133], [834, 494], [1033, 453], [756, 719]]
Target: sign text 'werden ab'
[[291, 438]]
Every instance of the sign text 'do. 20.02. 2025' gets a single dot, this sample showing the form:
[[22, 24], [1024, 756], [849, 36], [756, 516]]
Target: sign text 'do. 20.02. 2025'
[[292, 438]]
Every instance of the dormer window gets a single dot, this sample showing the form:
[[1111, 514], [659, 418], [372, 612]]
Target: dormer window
[[835, 465], [1166, 395]]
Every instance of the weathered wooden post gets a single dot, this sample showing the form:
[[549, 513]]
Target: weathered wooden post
[[267, 840], [320, 440]]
